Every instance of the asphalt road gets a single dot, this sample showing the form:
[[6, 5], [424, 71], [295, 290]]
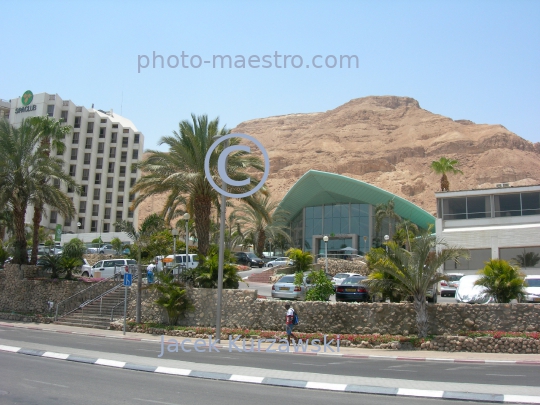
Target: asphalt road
[[497, 374], [38, 381]]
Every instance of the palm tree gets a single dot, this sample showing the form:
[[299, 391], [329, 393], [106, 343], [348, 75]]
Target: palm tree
[[180, 173], [405, 231], [383, 211], [6, 223], [502, 281], [173, 296], [51, 133], [443, 166], [257, 221], [24, 164], [152, 224], [414, 271]]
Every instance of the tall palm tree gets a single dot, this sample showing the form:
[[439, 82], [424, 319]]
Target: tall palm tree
[[23, 167], [258, 222], [141, 238], [443, 166], [406, 230], [383, 211], [180, 172], [52, 133], [414, 271], [6, 223]]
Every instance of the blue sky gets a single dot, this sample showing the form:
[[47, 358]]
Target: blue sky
[[476, 60]]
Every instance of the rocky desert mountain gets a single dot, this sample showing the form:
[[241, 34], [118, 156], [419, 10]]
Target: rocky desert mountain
[[389, 142]]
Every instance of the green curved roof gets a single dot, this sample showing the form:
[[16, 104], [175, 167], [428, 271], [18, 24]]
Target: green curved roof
[[318, 188]]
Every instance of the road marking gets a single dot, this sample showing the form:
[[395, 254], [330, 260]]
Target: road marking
[[528, 399], [420, 393], [155, 402], [110, 363], [54, 355], [174, 371], [146, 350], [326, 386], [246, 378], [46, 383], [309, 364], [509, 375], [393, 369], [9, 348]]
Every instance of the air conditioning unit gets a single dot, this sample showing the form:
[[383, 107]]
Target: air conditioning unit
[[503, 185]]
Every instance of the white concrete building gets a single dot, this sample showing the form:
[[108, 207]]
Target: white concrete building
[[99, 155], [497, 223]]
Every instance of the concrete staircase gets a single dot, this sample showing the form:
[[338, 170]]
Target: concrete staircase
[[97, 314], [263, 277]]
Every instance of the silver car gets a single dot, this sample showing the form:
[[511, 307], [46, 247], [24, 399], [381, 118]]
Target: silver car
[[284, 288], [469, 293]]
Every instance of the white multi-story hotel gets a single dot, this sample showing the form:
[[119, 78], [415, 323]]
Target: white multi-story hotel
[[497, 223], [99, 155]]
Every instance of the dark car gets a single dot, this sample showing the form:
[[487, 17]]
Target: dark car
[[352, 289], [248, 259]]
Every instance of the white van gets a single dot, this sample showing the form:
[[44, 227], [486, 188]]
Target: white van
[[170, 262]]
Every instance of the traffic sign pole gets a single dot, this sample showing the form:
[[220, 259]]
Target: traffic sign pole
[[127, 283]]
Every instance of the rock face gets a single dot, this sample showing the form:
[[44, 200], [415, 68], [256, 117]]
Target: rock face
[[389, 142]]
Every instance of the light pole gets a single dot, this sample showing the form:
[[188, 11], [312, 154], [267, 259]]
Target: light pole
[[386, 239], [325, 238], [174, 234], [186, 218], [365, 245]]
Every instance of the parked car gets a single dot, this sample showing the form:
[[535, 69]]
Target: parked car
[[338, 278], [532, 291], [248, 259], [284, 288], [177, 263], [353, 289], [468, 292], [86, 269], [448, 287], [280, 261], [109, 268], [107, 249]]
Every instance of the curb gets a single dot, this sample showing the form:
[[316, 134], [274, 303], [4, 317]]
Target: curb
[[351, 356], [352, 388]]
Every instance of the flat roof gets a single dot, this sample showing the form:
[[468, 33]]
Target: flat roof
[[486, 191]]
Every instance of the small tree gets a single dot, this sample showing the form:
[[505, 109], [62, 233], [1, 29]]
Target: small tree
[[207, 271], [53, 263], [72, 256], [173, 296], [117, 245], [502, 281], [302, 260], [322, 287]]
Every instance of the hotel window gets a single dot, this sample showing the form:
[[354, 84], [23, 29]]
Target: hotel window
[[64, 116], [93, 226], [135, 154], [114, 136], [70, 190], [119, 215], [87, 158], [102, 132], [84, 191], [115, 126], [132, 182], [123, 157], [133, 169], [82, 207], [112, 152], [72, 170], [56, 183], [106, 228], [54, 217], [108, 198], [97, 179], [50, 110], [85, 174], [107, 214], [121, 185], [67, 222], [75, 138], [120, 201], [136, 139], [90, 128], [109, 182], [131, 197], [88, 144], [100, 147], [74, 154], [99, 163], [125, 142], [95, 210], [122, 171], [103, 120], [111, 167], [130, 213], [96, 194], [77, 123], [126, 130], [81, 221]]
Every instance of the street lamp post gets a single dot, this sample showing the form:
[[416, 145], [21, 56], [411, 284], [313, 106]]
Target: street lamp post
[[325, 238], [386, 239], [365, 245], [174, 234], [186, 218]]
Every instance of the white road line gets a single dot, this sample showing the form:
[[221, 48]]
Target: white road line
[[326, 386], [393, 369], [524, 399], [9, 348], [174, 371], [420, 393], [110, 363], [54, 355], [46, 383], [509, 375], [246, 378], [154, 402], [309, 364]]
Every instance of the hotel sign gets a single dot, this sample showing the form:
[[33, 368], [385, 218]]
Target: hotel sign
[[26, 99]]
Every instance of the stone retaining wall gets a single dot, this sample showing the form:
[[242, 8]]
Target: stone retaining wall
[[482, 344], [20, 294]]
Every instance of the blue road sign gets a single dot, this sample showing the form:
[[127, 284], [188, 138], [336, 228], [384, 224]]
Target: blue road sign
[[127, 279]]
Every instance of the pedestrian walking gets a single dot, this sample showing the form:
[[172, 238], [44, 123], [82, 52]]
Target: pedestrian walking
[[289, 321]]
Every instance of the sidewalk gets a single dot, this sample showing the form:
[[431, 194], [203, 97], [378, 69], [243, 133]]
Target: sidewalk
[[374, 385]]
